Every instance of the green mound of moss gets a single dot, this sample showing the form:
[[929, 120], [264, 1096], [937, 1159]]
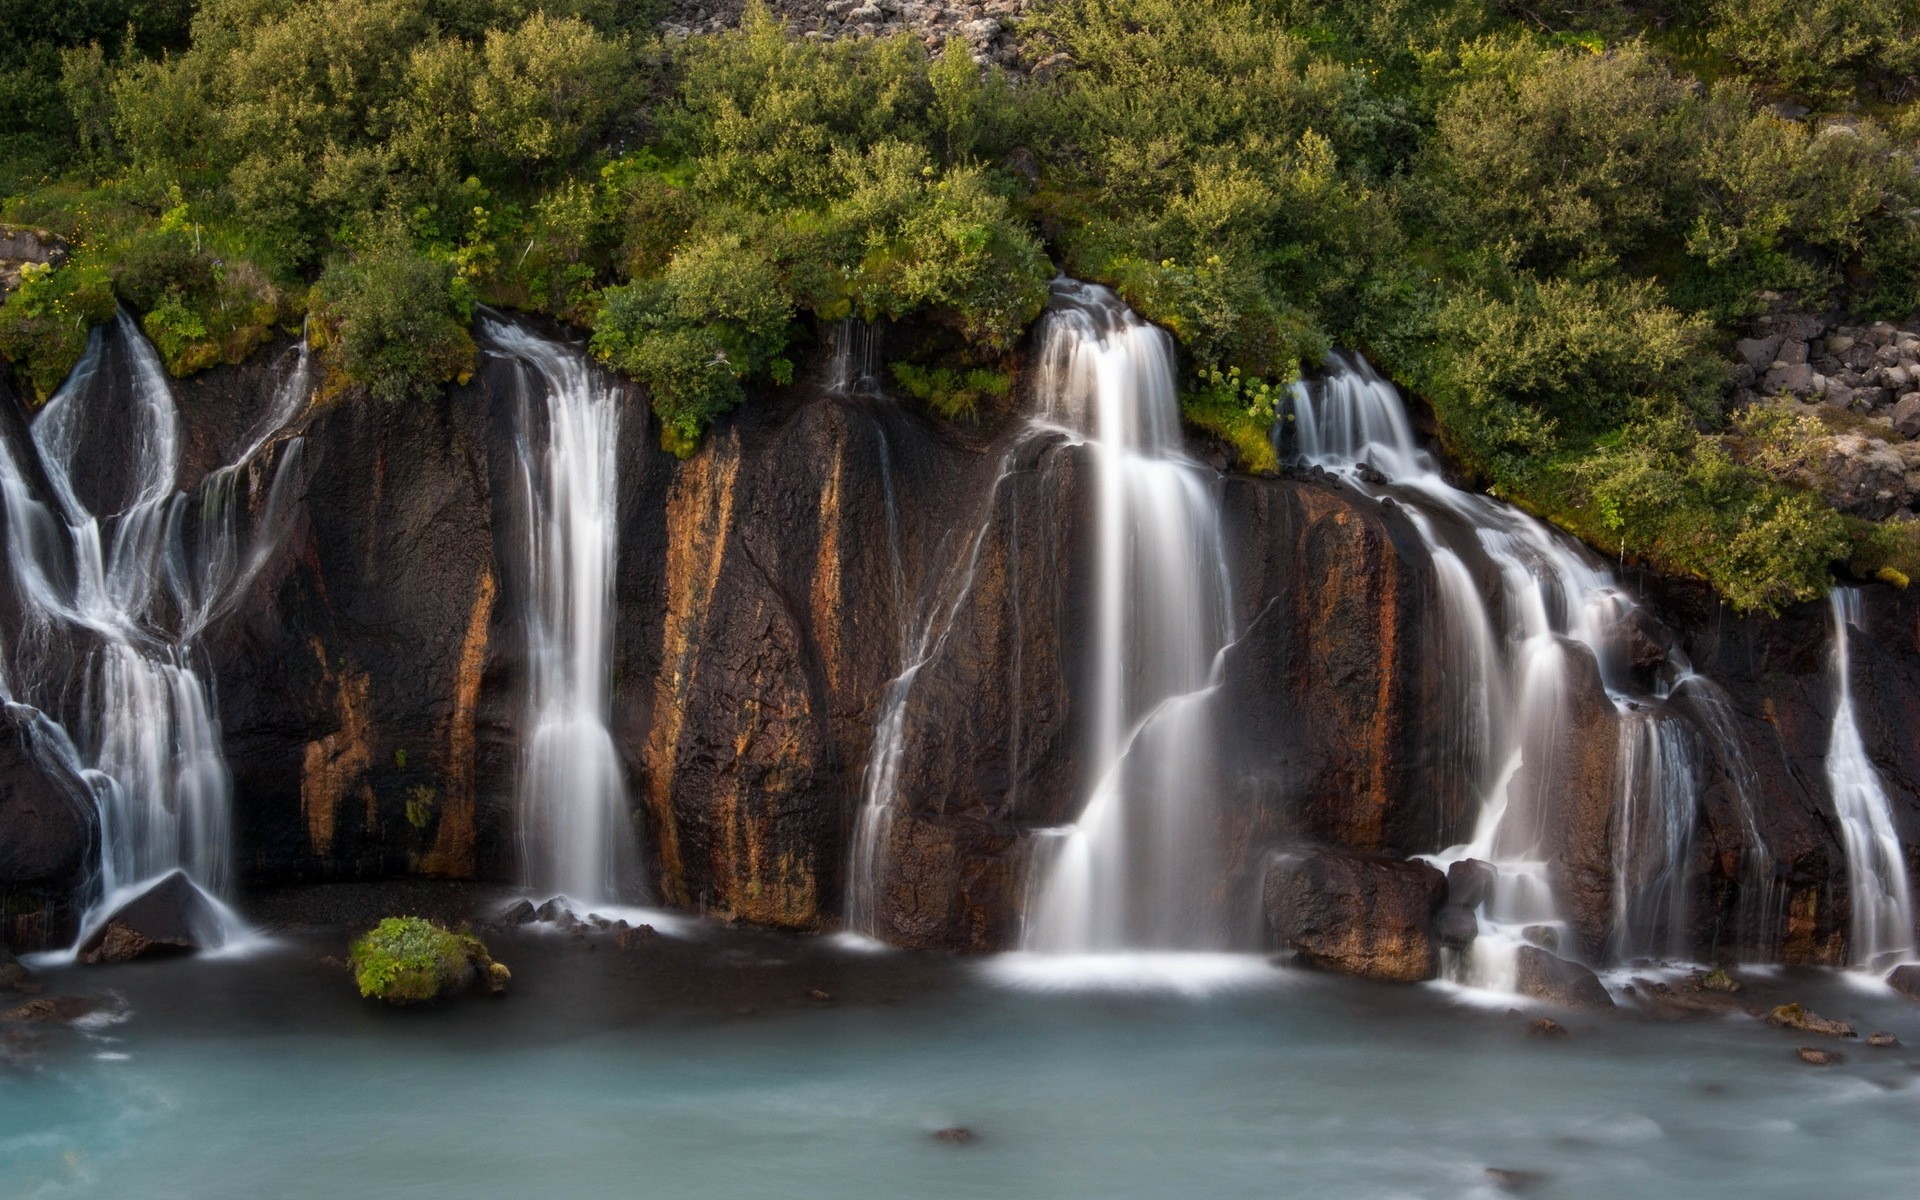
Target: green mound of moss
[[411, 960]]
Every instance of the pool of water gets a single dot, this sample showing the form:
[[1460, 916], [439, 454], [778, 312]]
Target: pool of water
[[731, 1065]]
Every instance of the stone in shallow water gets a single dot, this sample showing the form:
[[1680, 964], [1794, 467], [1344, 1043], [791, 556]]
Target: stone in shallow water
[[171, 917], [957, 1135], [1905, 980], [520, 912], [1551, 978], [1547, 1027], [1818, 1057], [1456, 926], [1882, 1040], [61, 1009], [1718, 980], [1356, 914], [1469, 883], [1519, 1183], [1794, 1016]]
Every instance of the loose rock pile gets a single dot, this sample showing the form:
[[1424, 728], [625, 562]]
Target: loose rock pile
[[1863, 375], [20, 248], [984, 25]]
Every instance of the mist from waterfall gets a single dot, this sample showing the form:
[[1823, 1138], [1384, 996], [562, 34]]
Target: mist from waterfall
[[576, 830], [1882, 901], [1141, 867], [1509, 664], [113, 603]]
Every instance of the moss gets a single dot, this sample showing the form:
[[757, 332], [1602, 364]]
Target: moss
[[955, 395], [1241, 413], [410, 960]]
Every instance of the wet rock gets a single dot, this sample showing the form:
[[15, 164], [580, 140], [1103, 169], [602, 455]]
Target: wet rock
[[47, 822], [1548, 1028], [1356, 914], [957, 1135], [639, 935], [1794, 1016], [1882, 1041], [171, 917], [13, 975], [1549, 977], [53, 1009], [1718, 980], [1547, 937], [1818, 1057], [819, 994], [520, 912], [1519, 1183], [1905, 979], [1470, 883], [1455, 927]]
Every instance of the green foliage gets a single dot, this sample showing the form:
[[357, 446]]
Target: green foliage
[[410, 960], [397, 319], [44, 323], [1240, 412], [1823, 49], [955, 395]]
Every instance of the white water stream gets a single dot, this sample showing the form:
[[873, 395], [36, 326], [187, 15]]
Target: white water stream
[[576, 831], [1882, 925], [113, 603], [1509, 659]]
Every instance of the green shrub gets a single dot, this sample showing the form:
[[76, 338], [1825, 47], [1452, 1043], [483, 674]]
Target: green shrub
[[410, 960], [955, 395], [1240, 412], [397, 320], [1824, 49], [45, 322]]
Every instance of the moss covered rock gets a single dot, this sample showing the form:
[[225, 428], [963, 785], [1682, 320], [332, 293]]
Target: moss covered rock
[[410, 960]]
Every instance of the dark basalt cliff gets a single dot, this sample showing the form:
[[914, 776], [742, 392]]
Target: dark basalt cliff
[[771, 588]]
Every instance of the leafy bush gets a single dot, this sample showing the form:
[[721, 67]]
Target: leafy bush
[[45, 322], [1824, 49], [410, 960], [397, 320], [955, 395]]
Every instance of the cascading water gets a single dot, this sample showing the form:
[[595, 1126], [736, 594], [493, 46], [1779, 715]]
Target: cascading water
[[854, 369], [1882, 927], [118, 599], [575, 825], [1139, 869], [1508, 658]]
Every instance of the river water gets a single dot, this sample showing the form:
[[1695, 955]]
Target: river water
[[701, 1066]]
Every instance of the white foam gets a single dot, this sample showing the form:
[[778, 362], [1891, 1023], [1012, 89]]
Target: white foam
[[1192, 975], [857, 943]]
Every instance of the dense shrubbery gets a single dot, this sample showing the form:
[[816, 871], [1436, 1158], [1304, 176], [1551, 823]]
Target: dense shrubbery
[[1538, 216]]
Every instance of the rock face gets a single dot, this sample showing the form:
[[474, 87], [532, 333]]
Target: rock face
[[1551, 978], [48, 832], [772, 588], [171, 917], [984, 27], [1355, 914]]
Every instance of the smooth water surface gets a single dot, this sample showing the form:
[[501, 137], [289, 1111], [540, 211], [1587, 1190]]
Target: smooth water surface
[[702, 1068]]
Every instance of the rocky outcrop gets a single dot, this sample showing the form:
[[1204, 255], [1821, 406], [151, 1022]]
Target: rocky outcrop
[[21, 248], [1555, 980], [48, 834], [984, 27], [171, 917], [1355, 914]]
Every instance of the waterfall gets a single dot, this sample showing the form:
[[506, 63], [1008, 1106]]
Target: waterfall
[[575, 823], [1882, 926], [855, 367], [1508, 659], [113, 602], [1140, 867]]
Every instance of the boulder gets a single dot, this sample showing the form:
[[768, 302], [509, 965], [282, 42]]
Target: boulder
[[1759, 353], [12, 974], [1793, 1016], [171, 917], [409, 960], [1906, 414], [1905, 979], [1356, 914], [1470, 883], [1795, 380], [1456, 927], [1549, 977], [57, 1009]]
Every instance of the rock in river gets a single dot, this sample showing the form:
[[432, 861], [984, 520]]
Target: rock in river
[[171, 917], [1356, 914]]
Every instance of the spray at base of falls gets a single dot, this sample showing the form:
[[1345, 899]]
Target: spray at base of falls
[[1882, 901], [576, 831], [1508, 656], [119, 598]]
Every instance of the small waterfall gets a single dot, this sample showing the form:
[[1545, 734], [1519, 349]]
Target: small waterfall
[[117, 599], [1507, 658], [1140, 868], [1882, 926], [575, 823], [855, 367]]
